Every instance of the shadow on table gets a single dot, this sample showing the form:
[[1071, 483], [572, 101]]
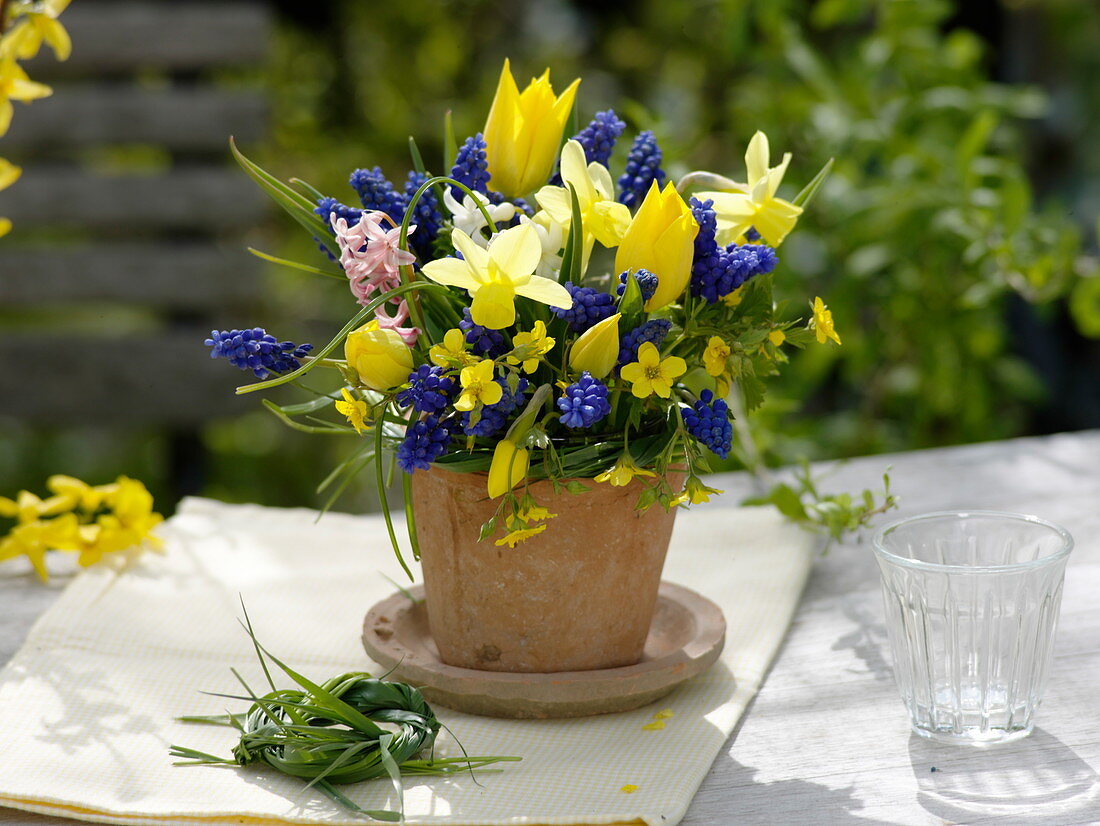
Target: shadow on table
[[1038, 780]]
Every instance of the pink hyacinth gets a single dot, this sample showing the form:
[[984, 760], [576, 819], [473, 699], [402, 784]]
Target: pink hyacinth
[[372, 257]]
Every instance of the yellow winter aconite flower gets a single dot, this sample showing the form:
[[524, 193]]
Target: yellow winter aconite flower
[[523, 132], [623, 472], [354, 409], [651, 374], [535, 513], [452, 352], [495, 276], [479, 386], [15, 85], [528, 347], [602, 217], [822, 322], [379, 356], [597, 348], [513, 538], [661, 239], [508, 469], [756, 205], [714, 357]]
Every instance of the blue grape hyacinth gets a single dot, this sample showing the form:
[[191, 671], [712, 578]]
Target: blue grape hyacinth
[[484, 341], [377, 193], [495, 416], [471, 167], [256, 350], [643, 167], [653, 331], [647, 282], [429, 390], [584, 402], [708, 421], [327, 208], [597, 139], [424, 442], [590, 307], [426, 216]]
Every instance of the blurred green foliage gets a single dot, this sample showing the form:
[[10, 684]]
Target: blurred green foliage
[[924, 234]]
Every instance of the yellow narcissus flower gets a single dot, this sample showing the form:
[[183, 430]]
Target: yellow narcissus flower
[[354, 409], [527, 348], [715, 356], [479, 386], [756, 204], [597, 349], [651, 374], [508, 469], [661, 239], [379, 356], [623, 472], [15, 85], [495, 276], [452, 352], [523, 132], [822, 322], [603, 218]]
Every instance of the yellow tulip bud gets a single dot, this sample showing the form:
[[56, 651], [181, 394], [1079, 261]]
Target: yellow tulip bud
[[380, 357], [509, 467], [523, 132], [597, 349], [661, 239]]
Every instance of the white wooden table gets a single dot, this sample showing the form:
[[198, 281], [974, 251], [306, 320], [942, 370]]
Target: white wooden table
[[827, 740]]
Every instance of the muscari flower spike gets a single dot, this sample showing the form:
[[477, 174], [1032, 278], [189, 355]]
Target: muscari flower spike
[[729, 268], [426, 216], [377, 193], [495, 416], [643, 167], [597, 139], [708, 421], [590, 306], [483, 340], [327, 208], [429, 390], [653, 331], [647, 282], [584, 402], [256, 350], [424, 442], [471, 167]]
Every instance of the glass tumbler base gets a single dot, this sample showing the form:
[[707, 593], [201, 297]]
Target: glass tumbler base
[[973, 736]]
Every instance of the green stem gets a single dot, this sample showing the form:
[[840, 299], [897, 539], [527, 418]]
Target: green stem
[[380, 475]]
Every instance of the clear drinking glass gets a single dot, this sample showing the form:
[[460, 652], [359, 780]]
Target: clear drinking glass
[[972, 603]]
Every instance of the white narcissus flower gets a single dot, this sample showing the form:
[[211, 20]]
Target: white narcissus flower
[[552, 237], [468, 217]]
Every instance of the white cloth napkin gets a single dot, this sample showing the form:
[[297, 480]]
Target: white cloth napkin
[[88, 706]]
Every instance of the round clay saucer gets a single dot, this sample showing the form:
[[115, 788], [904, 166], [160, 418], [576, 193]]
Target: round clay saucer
[[686, 637]]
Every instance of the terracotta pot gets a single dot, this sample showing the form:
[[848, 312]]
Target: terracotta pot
[[576, 597]]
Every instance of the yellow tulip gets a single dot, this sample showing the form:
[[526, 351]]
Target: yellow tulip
[[597, 349], [661, 239], [379, 356], [523, 132], [508, 469]]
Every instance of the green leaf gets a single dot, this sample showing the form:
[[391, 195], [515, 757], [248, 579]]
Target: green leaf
[[804, 197], [450, 145], [631, 305], [298, 266]]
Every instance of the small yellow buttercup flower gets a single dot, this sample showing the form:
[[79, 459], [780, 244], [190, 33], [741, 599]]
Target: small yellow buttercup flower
[[513, 538], [623, 472], [714, 357], [651, 374], [777, 337], [822, 322], [597, 348], [508, 468], [479, 386], [452, 352], [535, 513], [734, 298], [354, 409], [695, 492], [528, 347], [523, 132]]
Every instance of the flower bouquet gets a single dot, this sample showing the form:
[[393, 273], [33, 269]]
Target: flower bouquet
[[533, 332]]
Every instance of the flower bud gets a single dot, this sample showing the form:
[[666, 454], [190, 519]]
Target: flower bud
[[597, 349], [379, 356]]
